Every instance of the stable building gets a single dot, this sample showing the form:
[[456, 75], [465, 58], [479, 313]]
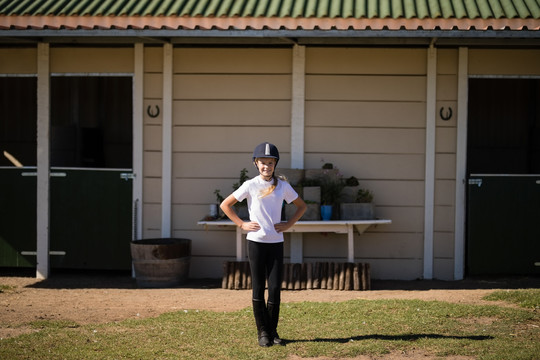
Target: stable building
[[119, 120]]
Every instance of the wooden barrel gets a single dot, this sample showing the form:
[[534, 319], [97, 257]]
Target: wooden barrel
[[161, 262]]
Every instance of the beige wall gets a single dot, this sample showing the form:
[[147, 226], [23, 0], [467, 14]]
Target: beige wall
[[18, 61], [365, 112], [504, 62], [225, 101]]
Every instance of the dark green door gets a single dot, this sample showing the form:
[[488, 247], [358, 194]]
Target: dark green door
[[17, 184], [90, 218], [90, 186], [503, 203], [91, 154], [504, 236], [17, 216]]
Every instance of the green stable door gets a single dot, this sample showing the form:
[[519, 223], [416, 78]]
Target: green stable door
[[503, 163], [503, 232], [90, 200], [90, 218]]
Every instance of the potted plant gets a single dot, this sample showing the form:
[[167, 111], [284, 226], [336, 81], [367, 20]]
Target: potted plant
[[361, 209], [240, 207], [348, 195], [331, 187]]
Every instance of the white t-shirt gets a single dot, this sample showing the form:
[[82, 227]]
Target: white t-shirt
[[266, 211]]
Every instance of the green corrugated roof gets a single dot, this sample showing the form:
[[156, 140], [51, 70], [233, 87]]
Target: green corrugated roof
[[278, 8]]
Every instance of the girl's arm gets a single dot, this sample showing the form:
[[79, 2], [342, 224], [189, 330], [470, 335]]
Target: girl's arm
[[300, 210], [227, 207]]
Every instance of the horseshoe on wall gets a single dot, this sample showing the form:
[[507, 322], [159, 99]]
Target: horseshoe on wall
[[151, 113], [447, 115]]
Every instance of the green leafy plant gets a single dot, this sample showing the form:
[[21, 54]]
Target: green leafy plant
[[352, 181], [328, 166], [331, 188], [243, 178], [364, 196], [219, 197]]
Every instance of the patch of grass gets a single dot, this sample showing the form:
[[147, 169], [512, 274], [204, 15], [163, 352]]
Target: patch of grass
[[4, 288], [334, 330], [526, 298]]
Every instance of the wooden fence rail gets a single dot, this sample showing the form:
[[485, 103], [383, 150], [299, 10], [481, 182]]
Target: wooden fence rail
[[319, 275]]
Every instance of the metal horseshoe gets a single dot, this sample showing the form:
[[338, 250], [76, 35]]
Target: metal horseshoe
[[446, 116], [152, 114]]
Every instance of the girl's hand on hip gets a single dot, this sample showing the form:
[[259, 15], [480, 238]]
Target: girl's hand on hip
[[282, 226], [250, 226]]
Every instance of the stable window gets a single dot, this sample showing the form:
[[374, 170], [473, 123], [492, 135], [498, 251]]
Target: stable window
[[91, 120]]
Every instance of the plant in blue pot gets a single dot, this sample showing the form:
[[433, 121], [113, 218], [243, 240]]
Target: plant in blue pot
[[331, 186]]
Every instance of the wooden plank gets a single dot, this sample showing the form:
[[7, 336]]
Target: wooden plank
[[303, 281], [365, 88], [330, 281], [232, 86], [337, 268], [225, 278], [230, 278], [357, 282], [309, 281]]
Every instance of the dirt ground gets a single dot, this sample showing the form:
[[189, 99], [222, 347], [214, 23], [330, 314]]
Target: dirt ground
[[88, 298]]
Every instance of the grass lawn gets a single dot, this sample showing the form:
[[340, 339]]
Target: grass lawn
[[334, 330]]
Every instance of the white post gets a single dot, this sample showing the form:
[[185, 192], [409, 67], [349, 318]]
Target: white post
[[138, 151], [461, 164], [297, 106], [43, 168], [166, 180], [297, 132], [431, 89]]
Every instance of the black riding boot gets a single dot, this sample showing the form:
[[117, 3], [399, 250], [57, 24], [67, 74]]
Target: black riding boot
[[261, 320], [273, 316]]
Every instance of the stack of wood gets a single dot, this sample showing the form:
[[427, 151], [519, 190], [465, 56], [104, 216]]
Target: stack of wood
[[319, 275]]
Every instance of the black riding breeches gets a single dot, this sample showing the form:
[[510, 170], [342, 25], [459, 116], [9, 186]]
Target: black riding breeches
[[266, 262]]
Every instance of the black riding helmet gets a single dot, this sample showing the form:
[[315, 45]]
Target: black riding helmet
[[266, 150]]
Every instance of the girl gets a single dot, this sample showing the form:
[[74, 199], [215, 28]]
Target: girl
[[265, 194]]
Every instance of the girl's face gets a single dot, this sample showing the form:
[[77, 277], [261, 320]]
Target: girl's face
[[266, 167]]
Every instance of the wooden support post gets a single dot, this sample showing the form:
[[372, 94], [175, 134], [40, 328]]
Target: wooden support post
[[285, 280], [290, 281], [330, 281], [297, 271], [337, 270], [303, 281], [342, 276], [230, 281], [238, 276], [248, 278], [348, 276], [225, 278], [357, 282], [317, 276], [324, 274], [309, 280]]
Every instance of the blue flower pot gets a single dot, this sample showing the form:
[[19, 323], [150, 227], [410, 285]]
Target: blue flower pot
[[326, 212]]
